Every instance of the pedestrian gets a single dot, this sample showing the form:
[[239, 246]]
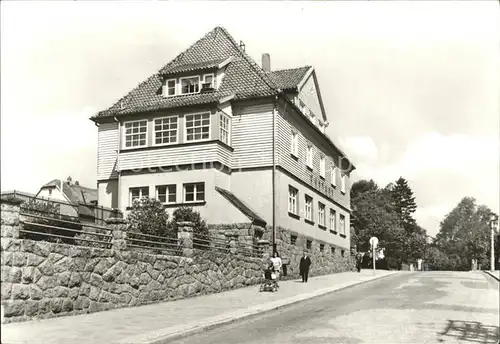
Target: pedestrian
[[276, 265], [305, 263], [359, 260]]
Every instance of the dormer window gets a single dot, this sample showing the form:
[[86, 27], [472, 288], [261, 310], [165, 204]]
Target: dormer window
[[190, 85], [208, 81], [171, 87]]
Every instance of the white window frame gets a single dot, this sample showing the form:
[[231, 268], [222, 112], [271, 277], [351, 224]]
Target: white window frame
[[168, 193], [334, 176], [321, 214], [209, 126], [293, 200], [342, 223], [195, 191], [322, 166], [308, 208], [333, 220], [227, 131], [189, 77], [175, 87], [294, 144], [204, 78], [155, 131], [124, 134], [310, 156], [342, 183], [141, 193]]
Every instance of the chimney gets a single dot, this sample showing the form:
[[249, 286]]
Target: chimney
[[266, 62]]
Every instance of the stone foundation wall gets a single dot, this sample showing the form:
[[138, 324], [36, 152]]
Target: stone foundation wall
[[322, 262], [41, 279]]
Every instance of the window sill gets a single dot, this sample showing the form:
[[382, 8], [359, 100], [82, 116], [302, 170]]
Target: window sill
[[185, 204], [179, 144], [343, 236], [309, 168], [322, 227], [333, 232], [294, 157], [309, 222], [295, 216]]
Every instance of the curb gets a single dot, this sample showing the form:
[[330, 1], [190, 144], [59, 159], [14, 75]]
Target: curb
[[182, 331], [492, 275]]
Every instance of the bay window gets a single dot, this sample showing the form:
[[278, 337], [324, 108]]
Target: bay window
[[198, 127]]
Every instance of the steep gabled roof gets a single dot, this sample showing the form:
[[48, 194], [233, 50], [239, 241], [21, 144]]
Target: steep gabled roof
[[243, 77], [288, 79]]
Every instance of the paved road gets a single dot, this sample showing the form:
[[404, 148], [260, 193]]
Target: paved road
[[420, 307]]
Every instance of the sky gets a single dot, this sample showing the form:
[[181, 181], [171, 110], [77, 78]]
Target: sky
[[411, 89]]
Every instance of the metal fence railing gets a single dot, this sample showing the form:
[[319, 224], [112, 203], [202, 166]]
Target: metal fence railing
[[46, 226], [205, 242], [160, 244]]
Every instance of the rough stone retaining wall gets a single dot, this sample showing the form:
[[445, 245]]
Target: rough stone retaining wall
[[41, 279]]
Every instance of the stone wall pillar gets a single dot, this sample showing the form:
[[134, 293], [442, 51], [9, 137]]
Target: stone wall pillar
[[185, 236], [12, 259], [119, 229], [10, 217]]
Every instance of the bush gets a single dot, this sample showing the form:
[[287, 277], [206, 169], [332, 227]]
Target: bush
[[200, 229], [149, 217], [52, 217]]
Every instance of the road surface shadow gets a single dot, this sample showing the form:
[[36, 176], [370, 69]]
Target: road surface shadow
[[470, 331]]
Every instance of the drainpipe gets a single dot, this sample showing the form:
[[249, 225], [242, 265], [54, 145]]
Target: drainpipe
[[118, 162], [274, 174]]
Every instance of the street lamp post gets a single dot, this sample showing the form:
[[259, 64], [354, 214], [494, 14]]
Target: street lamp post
[[493, 224]]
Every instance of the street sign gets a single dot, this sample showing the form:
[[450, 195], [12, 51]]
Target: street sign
[[374, 241]]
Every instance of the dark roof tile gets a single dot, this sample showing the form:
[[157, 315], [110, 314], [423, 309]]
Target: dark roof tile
[[287, 79]]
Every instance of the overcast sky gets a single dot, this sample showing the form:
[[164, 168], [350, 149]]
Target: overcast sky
[[410, 88]]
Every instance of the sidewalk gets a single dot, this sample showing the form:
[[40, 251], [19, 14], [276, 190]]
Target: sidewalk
[[159, 322]]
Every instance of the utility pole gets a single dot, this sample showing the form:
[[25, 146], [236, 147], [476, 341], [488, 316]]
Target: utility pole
[[493, 224]]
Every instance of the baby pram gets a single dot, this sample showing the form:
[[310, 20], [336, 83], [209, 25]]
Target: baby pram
[[270, 283]]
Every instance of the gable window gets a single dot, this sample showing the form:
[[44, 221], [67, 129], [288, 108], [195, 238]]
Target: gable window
[[166, 193], [308, 208], [342, 183], [198, 127], [208, 81], [333, 171], [309, 156], [138, 193], [171, 87], [322, 167], [321, 214], [292, 200], [135, 133], [190, 85], [333, 221], [224, 128], [166, 130], [342, 224], [194, 192], [294, 147]]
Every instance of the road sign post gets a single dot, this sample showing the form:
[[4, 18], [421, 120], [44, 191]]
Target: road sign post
[[373, 243]]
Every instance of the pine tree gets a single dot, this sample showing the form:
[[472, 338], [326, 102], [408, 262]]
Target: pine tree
[[404, 204]]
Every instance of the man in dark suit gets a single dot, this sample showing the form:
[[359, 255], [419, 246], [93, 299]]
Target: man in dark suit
[[305, 263]]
